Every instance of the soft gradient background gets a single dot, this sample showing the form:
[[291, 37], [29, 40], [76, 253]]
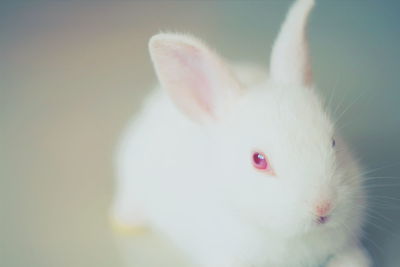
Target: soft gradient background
[[73, 72]]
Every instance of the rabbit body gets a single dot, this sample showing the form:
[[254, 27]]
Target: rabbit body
[[185, 162]]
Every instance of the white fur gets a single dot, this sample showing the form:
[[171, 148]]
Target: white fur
[[292, 44], [184, 166]]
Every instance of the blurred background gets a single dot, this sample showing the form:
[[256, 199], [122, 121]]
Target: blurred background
[[73, 72]]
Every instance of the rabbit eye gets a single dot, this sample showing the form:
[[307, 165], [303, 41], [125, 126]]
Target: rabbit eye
[[333, 142], [260, 161]]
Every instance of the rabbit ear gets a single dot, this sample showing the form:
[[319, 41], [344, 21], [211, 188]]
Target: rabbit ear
[[290, 62], [197, 80]]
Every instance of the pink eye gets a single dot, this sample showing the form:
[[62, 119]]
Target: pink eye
[[260, 161]]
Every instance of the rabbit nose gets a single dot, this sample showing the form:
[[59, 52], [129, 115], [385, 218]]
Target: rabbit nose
[[323, 208], [322, 211]]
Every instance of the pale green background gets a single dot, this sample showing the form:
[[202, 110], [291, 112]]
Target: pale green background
[[73, 72]]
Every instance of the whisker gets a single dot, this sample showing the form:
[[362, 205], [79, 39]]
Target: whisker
[[363, 174], [341, 127], [380, 185], [369, 210], [328, 104], [381, 178], [374, 203], [364, 237], [349, 106], [380, 168], [392, 233], [376, 217], [335, 86], [369, 240], [386, 198], [384, 207]]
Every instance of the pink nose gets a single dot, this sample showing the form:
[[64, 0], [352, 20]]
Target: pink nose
[[323, 209]]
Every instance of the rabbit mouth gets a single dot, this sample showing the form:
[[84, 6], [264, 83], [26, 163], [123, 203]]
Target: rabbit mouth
[[322, 220]]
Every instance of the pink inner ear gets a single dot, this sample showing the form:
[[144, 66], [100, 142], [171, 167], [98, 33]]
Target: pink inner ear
[[195, 78]]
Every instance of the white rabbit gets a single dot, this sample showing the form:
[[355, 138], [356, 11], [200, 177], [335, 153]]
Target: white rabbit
[[241, 169]]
